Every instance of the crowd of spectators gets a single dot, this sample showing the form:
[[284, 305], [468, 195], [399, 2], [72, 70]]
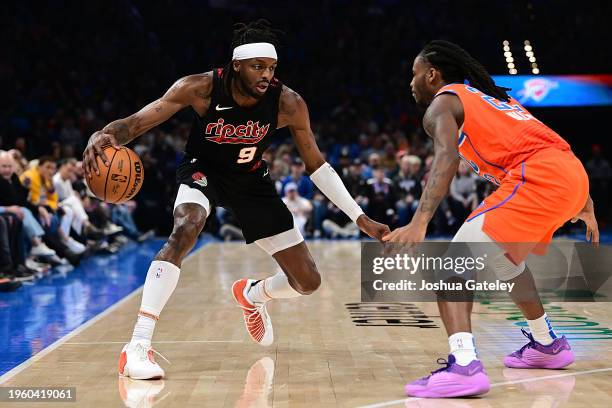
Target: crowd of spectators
[[68, 71], [49, 219]]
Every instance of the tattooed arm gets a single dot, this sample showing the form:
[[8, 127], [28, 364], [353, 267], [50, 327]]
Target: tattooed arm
[[293, 113], [441, 122], [191, 90]]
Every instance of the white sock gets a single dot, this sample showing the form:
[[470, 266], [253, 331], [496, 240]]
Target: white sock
[[542, 330], [462, 347], [274, 287], [143, 330], [161, 281]]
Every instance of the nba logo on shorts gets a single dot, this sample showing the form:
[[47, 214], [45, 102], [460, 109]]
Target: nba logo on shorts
[[199, 179]]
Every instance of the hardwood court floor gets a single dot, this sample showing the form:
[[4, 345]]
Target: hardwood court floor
[[320, 357]]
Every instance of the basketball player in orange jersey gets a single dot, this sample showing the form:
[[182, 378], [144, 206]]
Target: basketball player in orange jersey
[[235, 110], [541, 185]]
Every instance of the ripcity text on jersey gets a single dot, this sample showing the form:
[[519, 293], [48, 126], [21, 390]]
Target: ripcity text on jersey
[[231, 138]]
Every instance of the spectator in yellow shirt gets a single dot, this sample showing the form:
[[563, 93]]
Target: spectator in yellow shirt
[[39, 182]]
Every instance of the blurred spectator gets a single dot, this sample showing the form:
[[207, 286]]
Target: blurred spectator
[[8, 281], [41, 192], [463, 198], [338, 225], [367, 172], [407, 183], [19, 162], [278, 171], [389, 161], [230, 227], [304, 185], [381, 198], [13, 199], [121, 215], [355, 183], [62, 182], [300, 207]]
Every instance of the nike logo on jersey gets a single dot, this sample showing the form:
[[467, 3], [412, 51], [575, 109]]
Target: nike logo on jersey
[[266, 173], [222, 108]]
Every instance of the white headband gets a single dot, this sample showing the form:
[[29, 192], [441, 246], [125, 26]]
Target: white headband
[[254, 50]]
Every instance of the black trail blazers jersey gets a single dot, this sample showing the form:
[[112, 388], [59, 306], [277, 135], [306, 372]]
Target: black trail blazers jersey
[[231, 138]]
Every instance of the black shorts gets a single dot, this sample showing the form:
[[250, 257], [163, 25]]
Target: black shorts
[[251, 196]]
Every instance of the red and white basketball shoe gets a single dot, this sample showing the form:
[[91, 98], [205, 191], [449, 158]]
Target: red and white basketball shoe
[[136, 361], [256, 317]]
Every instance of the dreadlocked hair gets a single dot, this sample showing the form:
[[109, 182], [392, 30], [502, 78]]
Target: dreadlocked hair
[[456, 65], [253, 32]]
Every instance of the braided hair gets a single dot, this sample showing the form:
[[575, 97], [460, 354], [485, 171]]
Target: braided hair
[[456, 65], [253, 32]]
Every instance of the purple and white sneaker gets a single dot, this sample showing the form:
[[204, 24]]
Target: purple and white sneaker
[[452, 380], [558, 354]]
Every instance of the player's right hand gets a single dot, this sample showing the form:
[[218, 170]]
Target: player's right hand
[[95, 147], [587, 214], [372, 228]]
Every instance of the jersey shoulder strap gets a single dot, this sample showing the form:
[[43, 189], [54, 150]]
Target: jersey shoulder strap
[[454, 89], [216, 95]]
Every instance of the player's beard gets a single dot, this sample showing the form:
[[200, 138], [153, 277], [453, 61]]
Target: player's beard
[[245, 89]]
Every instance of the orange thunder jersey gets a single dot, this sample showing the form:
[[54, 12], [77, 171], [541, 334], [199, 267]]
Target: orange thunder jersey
[[497, 136]]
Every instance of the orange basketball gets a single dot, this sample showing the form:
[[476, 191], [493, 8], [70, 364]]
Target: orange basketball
[[120, 181]]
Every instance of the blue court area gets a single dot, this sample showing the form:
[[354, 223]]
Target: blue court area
[[35, 316]]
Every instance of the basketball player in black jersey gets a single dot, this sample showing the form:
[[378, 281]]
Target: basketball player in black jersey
[[235, 111]]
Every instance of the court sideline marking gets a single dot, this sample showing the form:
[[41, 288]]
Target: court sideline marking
[[499, 384], [27, 363]]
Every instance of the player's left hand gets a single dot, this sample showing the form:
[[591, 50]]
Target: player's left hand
[[372, 228], [409, 235], [587, 214]]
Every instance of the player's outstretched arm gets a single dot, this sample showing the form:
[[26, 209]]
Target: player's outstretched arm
[[441, 124], [182, 93], [293, 113]]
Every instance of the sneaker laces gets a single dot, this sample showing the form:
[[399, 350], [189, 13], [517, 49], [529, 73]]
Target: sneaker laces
[[444, 362], [441, 361], [531, 344], [143, 353], [254, 312]]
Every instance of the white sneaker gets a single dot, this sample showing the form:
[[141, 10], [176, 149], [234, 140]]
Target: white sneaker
[[111, 229], [42, 250], [75, 246], [136, 361], [37, 266]]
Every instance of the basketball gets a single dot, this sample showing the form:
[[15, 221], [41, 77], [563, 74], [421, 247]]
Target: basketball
[[120, 181]]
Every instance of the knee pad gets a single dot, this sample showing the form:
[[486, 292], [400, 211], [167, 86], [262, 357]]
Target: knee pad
[[505, 269]]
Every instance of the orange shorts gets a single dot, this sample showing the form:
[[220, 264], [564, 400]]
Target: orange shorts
[[533, 201]]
